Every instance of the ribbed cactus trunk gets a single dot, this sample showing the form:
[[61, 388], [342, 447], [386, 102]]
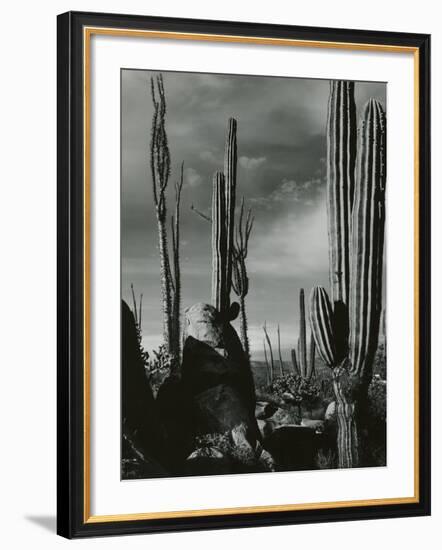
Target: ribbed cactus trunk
[[368, 242], [341, 159], [230, 165], [219, 243], [365, 299], [302, 345], [352, 359], [223, 223], [352, 364], [341, 162]]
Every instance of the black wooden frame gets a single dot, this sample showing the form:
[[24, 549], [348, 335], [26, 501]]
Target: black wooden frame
[[70, 486]]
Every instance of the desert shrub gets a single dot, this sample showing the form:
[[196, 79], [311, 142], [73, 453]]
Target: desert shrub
[[377, 399], [241, 454], [299, 389], [157, 367], [380, 362], [326, 460]]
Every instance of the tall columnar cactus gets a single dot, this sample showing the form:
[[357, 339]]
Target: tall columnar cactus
[[367, 241], [230, 166], [352, 359], [223, 223], [341, 158], [219, 243], [302, 344], [303, 364]]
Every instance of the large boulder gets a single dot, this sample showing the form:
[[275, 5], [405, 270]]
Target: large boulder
[[216, 373], [293, 447], [221, 391], [142, 431]]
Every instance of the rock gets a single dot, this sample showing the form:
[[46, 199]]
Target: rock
[[207, 452], [286, 416], [221, 388], [142, 428], [266, 459], [264, 410], [293, 447], [222, 408], [261, 426], [203, 368], [288, 397], [175, 408], [330, 412], [317, 425]]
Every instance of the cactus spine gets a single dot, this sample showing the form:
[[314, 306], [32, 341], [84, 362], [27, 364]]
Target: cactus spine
[[368, 242]]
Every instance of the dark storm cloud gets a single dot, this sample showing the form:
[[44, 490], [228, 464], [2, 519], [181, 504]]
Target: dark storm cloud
[[281, 172]]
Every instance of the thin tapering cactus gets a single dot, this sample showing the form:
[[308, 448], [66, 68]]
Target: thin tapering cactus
[[219, 243], [312, 357], [268, 369], [281, 362], [295, 364], [367, 241], [160, 168], [176, 278], [240, 280], [302, 340], [341, 158], [269, 343]]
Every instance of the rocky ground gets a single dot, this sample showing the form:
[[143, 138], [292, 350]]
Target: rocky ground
[[218, 415]]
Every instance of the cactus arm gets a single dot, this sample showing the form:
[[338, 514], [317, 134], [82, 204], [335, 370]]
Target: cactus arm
[[321, 323]]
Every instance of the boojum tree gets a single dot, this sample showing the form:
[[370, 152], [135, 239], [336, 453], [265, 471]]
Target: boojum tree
[[160, 164]]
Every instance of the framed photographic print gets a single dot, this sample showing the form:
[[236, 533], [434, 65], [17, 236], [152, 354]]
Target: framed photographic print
[[243, 274]]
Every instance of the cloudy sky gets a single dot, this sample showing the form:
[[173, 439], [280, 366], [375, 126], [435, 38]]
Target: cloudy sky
[[281, 174]]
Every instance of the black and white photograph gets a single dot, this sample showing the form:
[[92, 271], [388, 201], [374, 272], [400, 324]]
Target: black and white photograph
[[252, 274]]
